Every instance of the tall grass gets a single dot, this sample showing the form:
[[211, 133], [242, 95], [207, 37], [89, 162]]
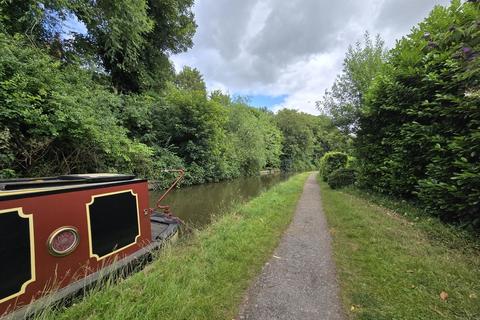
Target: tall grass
[[395, 262]]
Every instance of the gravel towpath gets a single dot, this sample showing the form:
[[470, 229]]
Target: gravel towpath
[[299, 281]]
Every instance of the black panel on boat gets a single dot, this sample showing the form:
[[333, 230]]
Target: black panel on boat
[[15, 260], [113, 222]]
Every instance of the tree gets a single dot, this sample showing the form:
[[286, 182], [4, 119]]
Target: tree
[[56, 120], [108, 99], [272, 136], [344, 100], [419, 130], [194, 128], [190, 79], [306, 138], [257, 141], [297, 149], [220, 97], [130, 39]]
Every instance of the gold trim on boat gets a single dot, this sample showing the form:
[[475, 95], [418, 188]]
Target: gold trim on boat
[[32, 252]]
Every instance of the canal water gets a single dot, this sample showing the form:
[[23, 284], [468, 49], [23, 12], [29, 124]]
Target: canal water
[[197, 205]]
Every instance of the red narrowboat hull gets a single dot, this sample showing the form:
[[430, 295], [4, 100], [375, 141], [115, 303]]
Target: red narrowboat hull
[[87, 209]]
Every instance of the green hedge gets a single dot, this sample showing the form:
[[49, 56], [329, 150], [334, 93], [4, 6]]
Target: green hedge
[[332, 161], [419, 132], [341, 178]]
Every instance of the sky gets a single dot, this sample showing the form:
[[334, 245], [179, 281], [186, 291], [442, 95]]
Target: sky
[[285, 53]]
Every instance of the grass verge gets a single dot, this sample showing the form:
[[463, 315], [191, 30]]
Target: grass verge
[[205, 276], [394, 264]]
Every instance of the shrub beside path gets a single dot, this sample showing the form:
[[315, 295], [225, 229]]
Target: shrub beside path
[[299, 281]]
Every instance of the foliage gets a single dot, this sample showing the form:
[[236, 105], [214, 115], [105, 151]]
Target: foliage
[[129, 39], [332, 161], [195, 128], [419, 131], [190, 79], [352, 162], [344, 100], [51, 122], [306, 139], [340, 178], [57, 119], [108, 99], [256, 141]]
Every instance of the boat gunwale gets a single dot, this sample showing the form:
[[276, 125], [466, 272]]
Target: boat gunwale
[[36, 192]]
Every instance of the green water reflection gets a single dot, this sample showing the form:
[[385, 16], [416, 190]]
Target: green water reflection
[[196, 205]]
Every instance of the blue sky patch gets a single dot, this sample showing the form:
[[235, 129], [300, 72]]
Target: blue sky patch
[[260, 101]]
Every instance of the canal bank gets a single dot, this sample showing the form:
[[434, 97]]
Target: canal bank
[[204, 276]]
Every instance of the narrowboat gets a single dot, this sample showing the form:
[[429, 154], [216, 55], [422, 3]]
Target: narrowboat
[[60, 234]]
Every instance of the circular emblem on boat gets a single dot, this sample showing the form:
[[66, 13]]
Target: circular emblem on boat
[[63, 241]]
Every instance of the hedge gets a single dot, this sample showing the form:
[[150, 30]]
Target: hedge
[[340, 178], [332, 161], [419, 133]]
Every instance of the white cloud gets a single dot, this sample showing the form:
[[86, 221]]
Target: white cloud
[[310, 76], [293, 48]]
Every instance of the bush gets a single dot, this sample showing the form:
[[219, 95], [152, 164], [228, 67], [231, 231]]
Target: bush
[[419, 130], [332, 161], [352, 163], [55, 119], [341, 178]]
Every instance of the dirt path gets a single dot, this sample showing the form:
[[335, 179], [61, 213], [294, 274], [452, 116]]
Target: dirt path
[[299, 280]]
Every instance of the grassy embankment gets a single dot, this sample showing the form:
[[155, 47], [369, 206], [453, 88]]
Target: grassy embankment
[[205, 276], [394, 261]]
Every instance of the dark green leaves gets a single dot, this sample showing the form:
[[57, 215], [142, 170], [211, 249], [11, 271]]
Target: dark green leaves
[[419, 135]]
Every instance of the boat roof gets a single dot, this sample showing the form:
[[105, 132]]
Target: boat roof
[[22, 186]]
